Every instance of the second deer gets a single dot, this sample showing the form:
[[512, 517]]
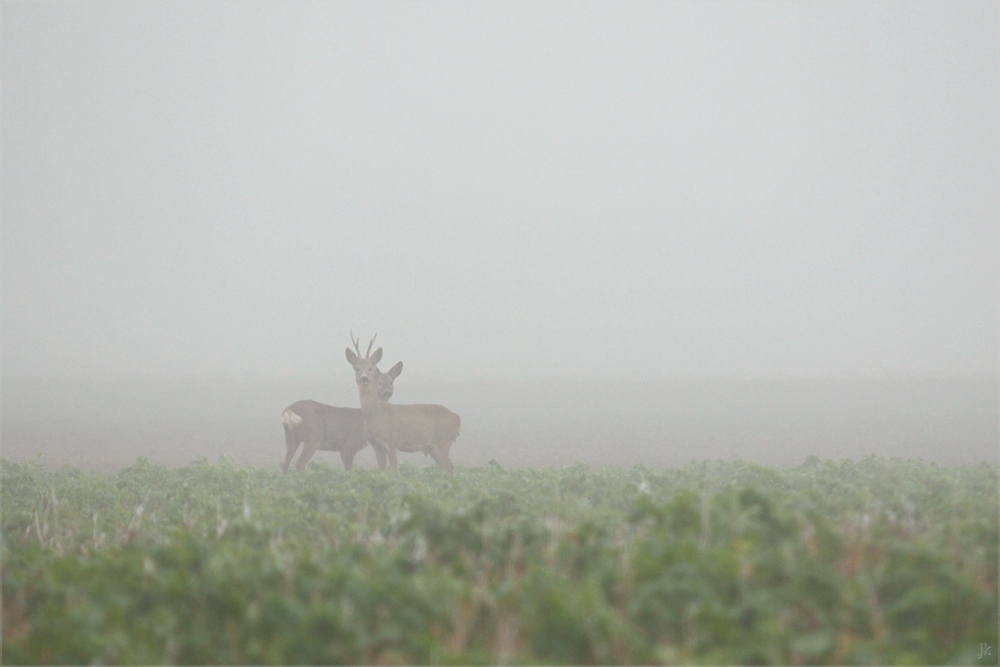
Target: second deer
[[431, 429]]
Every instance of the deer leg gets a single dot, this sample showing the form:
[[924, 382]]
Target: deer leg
[[439, 452], [353, 444], [309, 447], [291, 444], [347, 457], [379, 455], [392, 459]]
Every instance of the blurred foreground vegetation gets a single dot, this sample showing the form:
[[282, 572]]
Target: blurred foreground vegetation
[[876, 561]]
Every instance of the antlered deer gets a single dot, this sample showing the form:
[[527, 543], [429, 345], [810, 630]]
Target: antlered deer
[[430, 429], [318, 426]]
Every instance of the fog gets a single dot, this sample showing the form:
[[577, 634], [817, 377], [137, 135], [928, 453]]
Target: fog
[[733, 221], [107, 425]]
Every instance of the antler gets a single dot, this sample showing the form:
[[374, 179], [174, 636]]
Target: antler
[[356, 341], [370, 343]]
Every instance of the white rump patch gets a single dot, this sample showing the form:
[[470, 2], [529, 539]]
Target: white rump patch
[[290, 419]]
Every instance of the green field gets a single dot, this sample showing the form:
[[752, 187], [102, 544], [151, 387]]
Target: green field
[[872, 561]]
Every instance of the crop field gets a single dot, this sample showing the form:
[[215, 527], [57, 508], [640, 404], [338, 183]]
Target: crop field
[[872, 561]]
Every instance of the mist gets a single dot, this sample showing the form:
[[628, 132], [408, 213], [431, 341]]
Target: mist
[[631, 216]]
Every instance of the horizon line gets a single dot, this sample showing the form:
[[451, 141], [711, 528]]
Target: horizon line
[[941, 376]]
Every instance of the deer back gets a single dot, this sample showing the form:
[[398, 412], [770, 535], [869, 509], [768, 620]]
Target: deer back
[[330, 425], [410, 427]]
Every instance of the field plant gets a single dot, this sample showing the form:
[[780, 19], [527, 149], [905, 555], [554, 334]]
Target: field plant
[[873, 561]]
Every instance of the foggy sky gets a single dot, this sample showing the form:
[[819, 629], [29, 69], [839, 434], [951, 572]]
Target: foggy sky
[[502, 191]]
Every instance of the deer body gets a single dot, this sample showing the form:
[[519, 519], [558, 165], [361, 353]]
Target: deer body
[[431, 429], [324, 427]]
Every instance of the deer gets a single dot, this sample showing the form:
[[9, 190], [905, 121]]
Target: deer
[[431, 429], [325, 427]]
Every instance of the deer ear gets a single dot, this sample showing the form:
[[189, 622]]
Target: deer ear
[[396, 370], [351, 357], [376, 356]]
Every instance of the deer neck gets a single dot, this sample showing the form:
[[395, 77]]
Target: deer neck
[[371, 403]]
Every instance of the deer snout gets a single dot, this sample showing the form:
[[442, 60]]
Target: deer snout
[[363, 380]]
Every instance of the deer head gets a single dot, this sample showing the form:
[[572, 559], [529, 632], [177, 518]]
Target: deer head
[[384, 381], [366, 372]]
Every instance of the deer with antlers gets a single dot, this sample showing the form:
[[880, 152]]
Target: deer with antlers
[[431, 429], [317, 426]]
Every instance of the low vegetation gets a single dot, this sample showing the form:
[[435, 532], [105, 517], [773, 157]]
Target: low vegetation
[[874, 561]]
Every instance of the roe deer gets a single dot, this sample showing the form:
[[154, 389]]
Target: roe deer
[[430, 429], [319, 426]]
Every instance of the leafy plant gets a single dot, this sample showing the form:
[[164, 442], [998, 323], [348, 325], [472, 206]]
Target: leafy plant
[[726, 562]]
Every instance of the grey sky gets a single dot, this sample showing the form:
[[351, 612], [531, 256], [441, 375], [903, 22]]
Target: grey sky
[[502, 191]]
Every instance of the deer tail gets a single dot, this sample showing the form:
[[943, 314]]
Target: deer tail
[[290, 420]]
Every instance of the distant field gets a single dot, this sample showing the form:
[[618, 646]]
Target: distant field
[[106, 426]]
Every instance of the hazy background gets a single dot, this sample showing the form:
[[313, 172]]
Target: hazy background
[[774, 210]]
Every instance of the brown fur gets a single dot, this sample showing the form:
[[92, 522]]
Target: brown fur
[[319, 426], [431, 429]]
